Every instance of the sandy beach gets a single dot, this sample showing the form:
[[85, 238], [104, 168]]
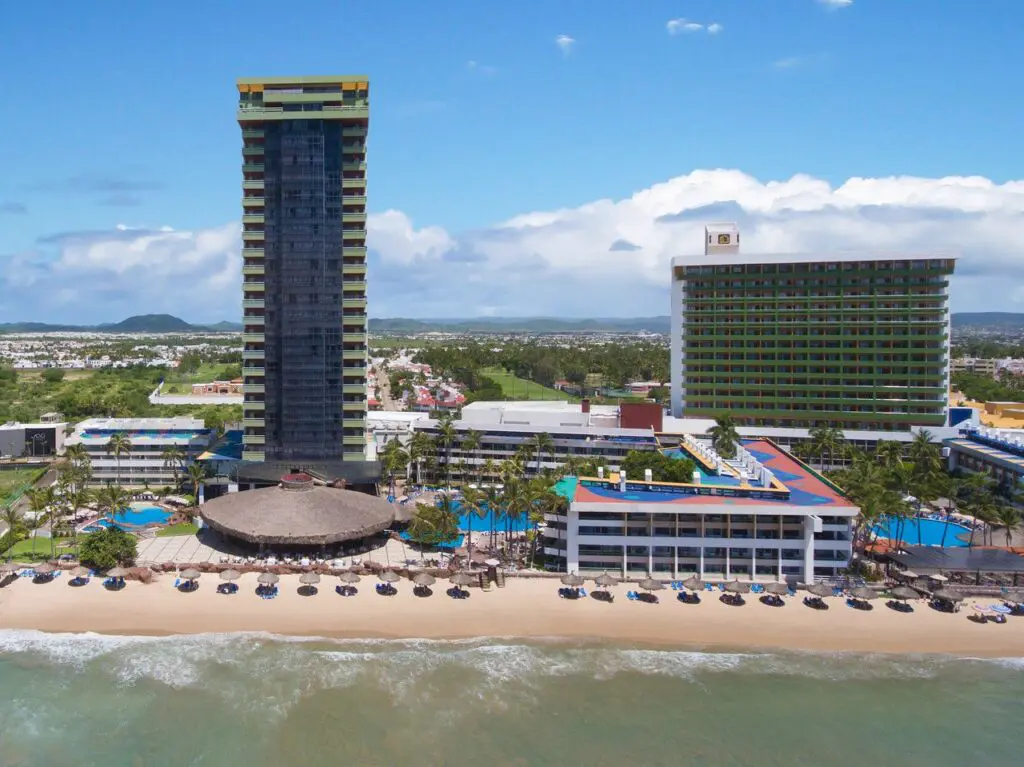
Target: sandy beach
[[527, 608]]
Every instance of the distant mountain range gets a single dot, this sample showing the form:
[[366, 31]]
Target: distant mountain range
[[140, 323], [1001, 320], [167, 323]]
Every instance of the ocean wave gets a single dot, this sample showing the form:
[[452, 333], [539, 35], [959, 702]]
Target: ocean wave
[[285, 669]]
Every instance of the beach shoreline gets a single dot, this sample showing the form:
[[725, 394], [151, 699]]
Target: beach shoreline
[[526, 609]]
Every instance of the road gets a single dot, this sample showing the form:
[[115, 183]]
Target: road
[[384, 391]]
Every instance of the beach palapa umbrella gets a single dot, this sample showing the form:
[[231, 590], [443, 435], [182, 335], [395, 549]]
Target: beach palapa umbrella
[[45, 569], [1015, 596], [118, 572], [737, 587], [651, 584], [863, 593], [191, 574], [947, 596], [907, 574], [693, 583], [904, 592], [11, 567], [230, 575], [390, 576], [424, 579], [461, 579], [268, 579], [604, 580], [938, 578], [349, 577], [819, 590], [778, 589], [309, 579], [81, 572], [572, 580]]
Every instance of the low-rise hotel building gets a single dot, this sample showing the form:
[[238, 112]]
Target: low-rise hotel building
[[143, 464], [764, 515], [996, 452], [600, 433]]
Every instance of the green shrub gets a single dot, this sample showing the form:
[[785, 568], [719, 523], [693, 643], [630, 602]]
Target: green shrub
[[108, 548]]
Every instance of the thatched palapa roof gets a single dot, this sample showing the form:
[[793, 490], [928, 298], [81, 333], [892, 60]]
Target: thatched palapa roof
[[297, 512]]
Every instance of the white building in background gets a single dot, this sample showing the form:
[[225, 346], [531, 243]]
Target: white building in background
[[31, 440], [144, 464]]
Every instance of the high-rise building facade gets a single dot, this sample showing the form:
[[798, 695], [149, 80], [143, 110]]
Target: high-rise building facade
[[849, 340], [304, 355]]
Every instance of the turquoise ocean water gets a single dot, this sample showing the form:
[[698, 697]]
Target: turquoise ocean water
[[254, 700]]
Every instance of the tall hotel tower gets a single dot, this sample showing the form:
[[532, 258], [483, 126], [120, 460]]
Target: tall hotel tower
[[304, 246], [852, 340]]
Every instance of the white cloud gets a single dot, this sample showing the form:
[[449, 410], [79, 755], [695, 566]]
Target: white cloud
[[484, 69], [714, 29], [605, 258], [787, 63], [565, 43], [679, 26], [836, 3]]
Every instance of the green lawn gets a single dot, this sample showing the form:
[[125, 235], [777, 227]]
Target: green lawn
[[520, 388], [184, 528], [22, 550], [182, 384], [15, 481]]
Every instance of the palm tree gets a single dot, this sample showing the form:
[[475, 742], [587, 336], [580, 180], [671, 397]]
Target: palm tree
[[119, 445], [825, 441], [113, 501], [420, 448], [174, 459], [890, 453], [13, 522], [77, 454], [393, 460], [924, 453], [724, 436], [470, 446], [196, 474], [446, 438], [1009, 519], [542, 443], [473, 504]]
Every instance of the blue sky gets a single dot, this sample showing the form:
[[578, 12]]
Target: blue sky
[[125, 116]]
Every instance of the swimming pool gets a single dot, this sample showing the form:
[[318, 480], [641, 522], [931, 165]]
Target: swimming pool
[[490, 518], [922, 531], [136, 517], [726, 480]]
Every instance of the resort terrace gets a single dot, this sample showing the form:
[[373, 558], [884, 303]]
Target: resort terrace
[[794, 485]]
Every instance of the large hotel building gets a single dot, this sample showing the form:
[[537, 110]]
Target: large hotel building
[[852, 340], [304, 247]]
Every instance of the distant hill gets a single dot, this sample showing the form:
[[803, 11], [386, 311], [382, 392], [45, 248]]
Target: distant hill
[[141, 323], [1002, 320], [521, 325]]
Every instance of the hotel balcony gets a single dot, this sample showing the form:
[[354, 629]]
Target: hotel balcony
[[253, 236], [252, 167], [253, 439], [253, 184], [252, 253], [253, 202], [253, 133], [255, 371], [353, 388], [253, 423], [253, 269], [252, 338], [354, 218], [353, 338], [256, 323], [251, 286], [252, 303], [254, 354], [353, 439], [253, 389], [353, 183], [255, 151], [252, 218]]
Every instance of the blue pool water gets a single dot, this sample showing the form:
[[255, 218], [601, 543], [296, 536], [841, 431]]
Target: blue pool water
[[490, 518], [147, 515], [930, 530]]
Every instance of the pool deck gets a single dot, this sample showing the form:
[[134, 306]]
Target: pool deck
[[805, 487]]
